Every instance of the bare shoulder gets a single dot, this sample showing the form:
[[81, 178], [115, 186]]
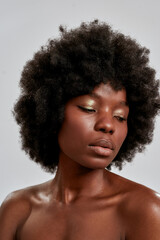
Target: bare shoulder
[[144, 212], [142, 200], [140, 210], [13, 212], [16, 209]]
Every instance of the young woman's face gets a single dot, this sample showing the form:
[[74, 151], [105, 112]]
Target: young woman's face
[[94, 127]]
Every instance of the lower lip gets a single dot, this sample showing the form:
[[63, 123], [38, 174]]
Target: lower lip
[[101, 150]]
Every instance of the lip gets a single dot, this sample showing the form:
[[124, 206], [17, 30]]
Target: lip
[[102, 147], [104, 143]]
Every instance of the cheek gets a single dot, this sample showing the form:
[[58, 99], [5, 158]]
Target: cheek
[[72, 134], [123, 135]]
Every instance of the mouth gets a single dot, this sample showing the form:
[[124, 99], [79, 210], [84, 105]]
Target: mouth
[[102, 147], [104, 143]]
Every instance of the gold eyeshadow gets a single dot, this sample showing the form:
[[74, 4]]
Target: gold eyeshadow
[[89, 103], [119, 112]]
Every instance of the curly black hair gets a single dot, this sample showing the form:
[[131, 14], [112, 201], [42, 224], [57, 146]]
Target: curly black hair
[[73, 65]]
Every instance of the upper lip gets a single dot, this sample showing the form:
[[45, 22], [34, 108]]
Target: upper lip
[[105, 143]]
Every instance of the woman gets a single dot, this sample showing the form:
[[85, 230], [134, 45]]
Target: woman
[[88, 102]]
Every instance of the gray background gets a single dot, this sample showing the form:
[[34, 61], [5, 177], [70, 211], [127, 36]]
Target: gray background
[[25, 26]]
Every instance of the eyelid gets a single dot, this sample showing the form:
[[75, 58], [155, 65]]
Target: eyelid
[[86, 108], [120, 113], [121, 118]]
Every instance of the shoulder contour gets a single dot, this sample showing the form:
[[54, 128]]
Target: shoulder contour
[[143, 195], [143, 214], [140, 198], [20, 203], [17, 199], [151, 204], [13, 212]]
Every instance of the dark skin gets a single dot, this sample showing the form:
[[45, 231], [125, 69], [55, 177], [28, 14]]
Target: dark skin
[[85, 201]]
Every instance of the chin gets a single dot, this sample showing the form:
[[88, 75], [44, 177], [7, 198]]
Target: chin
[[96, 163]]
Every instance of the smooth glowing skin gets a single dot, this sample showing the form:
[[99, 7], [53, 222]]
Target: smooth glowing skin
[[84, 201], [91, 118]]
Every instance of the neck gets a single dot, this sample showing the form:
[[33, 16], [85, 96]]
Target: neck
[[72, 181]]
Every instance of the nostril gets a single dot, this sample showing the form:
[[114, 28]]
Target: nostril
[[111, 131], [105, 130], [102, 130]]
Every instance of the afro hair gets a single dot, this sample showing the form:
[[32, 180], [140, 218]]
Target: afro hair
[[73, 65]]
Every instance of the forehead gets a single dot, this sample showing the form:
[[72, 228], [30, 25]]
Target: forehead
[[105, 91]]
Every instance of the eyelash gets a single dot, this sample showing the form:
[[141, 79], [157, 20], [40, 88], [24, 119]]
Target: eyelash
[[87, 109], [120, 119]]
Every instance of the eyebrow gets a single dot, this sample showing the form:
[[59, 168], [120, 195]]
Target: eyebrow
[[95, 95], [124, 103]]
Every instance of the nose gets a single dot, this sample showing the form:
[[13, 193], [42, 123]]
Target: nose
[[105, 124]]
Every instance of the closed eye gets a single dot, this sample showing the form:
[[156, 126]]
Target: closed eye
[[120, 119], [85, 109]]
